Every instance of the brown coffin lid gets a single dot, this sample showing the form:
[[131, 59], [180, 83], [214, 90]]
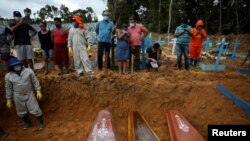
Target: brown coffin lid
[[139, 129], [103, 128], [180, 129]]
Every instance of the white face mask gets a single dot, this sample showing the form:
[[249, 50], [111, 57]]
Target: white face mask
[[17, 68], [17, 18], [132, 24]]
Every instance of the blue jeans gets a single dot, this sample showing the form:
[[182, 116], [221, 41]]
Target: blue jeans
[[182, 48], [47, 53], [102, 46]]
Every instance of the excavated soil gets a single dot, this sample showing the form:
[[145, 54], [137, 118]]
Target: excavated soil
[[71, 104]]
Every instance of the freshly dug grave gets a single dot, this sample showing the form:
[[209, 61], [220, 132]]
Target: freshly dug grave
[[71, 104]]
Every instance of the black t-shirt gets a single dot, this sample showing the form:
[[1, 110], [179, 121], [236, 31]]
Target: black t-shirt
[[22, 36], [152, 53], [45, 40]]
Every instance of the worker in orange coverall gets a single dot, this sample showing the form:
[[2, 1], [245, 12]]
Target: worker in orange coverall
[[199, 33]]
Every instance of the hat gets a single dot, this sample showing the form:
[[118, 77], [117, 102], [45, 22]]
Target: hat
[[17, 14], [13, 61], [78, 19]]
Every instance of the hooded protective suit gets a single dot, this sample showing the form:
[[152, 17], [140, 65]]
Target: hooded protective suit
[[77, 40], [20, 87], [196, 40]]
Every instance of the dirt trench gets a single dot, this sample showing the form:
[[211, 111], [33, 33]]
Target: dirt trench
[[71, 104]]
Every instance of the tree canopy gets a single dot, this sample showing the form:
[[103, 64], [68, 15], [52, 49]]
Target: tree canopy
[[155, 14], [49, 12]]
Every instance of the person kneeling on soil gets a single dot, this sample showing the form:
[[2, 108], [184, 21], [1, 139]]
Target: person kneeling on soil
[[153, 56], [18, 84]]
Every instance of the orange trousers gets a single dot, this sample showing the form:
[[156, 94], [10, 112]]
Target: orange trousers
[[195, 52]]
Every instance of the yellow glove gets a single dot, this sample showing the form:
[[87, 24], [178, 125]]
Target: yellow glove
[[70, 50], [88, 48], [9, 104], [39, 95]]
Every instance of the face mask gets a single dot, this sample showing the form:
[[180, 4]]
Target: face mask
[[199, 28], [74, 24], [17, 68], [58, 25], [17, 18], [42, 27], [105, 18], [132, 24]]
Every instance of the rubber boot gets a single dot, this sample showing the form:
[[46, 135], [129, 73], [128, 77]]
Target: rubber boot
[[26, 122], [195, 62], [40, 122], [191, 62]]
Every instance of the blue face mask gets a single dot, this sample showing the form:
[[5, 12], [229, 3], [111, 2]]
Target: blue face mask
[[74, 24], [105, 18]]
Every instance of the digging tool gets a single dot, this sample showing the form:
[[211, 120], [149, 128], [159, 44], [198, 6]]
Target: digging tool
[[167, 64], [132, 63], [248, 56], [106, 61]]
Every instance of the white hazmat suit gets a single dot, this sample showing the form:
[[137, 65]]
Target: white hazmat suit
[[77, 40], [20, 87]]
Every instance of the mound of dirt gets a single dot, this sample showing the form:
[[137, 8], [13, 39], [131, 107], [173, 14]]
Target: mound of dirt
[[71, 104]]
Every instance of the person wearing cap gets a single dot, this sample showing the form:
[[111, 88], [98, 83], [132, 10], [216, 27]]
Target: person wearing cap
[[122, 48], [59, 37], [153, 56], [22, 41], [77, 43], [137, 33], [199, 34], [183, 33], [45, 40], [104, 29], [20, 83]]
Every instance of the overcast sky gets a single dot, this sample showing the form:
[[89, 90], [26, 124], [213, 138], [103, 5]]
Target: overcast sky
[[8, 6]]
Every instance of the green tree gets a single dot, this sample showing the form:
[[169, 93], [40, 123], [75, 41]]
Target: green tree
[[65, 13]]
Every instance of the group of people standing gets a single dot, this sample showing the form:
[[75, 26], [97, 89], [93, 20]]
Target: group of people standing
[[189, 42], [129, 39], [59, 42], [21, 81]]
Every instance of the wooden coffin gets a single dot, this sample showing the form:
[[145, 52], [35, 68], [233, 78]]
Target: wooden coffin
[[180, 129], [103, 128], [139, 129]]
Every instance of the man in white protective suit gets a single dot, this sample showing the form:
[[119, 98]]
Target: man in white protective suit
[[19, 83], [78, 43]]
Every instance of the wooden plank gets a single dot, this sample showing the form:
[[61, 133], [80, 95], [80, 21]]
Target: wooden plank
[[103, 128], [180, 129], [139, 129], [211, 67], [238, 101], [243, 71]]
